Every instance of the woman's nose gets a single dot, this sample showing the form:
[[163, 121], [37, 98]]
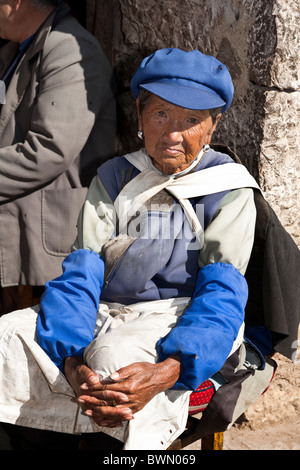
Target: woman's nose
[[173, 131]]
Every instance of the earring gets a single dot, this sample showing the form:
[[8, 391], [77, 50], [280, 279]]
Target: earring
[[140, 135]]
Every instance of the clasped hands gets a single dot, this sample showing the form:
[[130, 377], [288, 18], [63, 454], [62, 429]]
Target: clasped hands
[[109, 402]]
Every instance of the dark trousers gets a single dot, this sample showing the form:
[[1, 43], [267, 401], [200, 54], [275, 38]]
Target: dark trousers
[[18, 297], [21, 438]]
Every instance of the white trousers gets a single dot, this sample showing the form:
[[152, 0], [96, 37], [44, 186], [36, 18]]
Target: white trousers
[[34, 393]]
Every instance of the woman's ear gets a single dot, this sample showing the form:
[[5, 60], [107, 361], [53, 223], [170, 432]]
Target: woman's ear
[[212, 129]]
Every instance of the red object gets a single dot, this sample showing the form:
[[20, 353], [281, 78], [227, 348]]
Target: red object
[[200, 398]]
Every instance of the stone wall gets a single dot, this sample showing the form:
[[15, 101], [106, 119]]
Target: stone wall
[[259, 42]]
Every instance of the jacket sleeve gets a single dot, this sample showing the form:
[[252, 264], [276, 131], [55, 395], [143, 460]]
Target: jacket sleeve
[[69, 305], [204, 335], [73, 85], [97, 221]]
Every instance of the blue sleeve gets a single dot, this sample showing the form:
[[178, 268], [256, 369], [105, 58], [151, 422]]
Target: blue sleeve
[[69, 305], [204, 334]]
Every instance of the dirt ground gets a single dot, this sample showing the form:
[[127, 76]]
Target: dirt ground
[[275, 436], [283, 435]]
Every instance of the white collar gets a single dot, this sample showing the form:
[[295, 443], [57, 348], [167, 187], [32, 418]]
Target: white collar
[[143, 161]]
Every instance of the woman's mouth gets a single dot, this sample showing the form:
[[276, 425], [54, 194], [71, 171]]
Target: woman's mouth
[[172, 152]]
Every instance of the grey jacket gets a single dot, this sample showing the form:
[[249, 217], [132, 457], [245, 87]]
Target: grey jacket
[[56, 126]]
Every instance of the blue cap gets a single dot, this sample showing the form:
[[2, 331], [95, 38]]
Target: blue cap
[[191, 80]]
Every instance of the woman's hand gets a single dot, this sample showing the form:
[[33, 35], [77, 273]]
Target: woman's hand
[[132, 387], [135, 385], [83, 380]]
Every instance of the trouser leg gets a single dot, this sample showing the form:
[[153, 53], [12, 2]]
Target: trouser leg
[[21, 438], [19, 297]]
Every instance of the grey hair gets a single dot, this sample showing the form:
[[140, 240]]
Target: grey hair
[[144, 97], [214, 112]]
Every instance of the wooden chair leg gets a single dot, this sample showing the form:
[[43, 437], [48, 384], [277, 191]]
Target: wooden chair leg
[[212, 441]]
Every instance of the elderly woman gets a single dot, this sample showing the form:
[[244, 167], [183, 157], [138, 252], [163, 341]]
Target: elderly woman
[[151, 300]]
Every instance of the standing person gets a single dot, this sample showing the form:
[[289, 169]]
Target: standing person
[[57, 124]]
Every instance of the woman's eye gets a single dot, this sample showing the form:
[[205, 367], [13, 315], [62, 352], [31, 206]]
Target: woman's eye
[[193, 121]]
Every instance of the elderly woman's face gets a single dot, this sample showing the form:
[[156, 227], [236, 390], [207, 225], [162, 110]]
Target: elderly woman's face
[[173, 135]]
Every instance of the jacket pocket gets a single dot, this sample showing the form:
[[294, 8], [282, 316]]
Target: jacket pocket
[[60, 210]]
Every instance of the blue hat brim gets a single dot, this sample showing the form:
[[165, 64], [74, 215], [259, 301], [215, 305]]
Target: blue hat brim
[[185, 96]]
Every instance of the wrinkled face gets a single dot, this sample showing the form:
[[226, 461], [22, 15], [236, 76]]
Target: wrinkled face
[[173, 135]]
